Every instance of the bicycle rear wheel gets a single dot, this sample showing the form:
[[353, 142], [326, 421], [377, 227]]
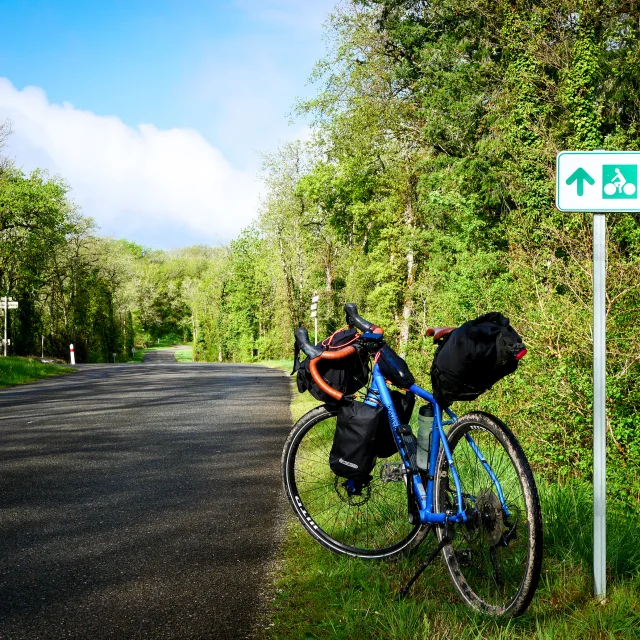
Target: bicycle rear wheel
[[371, 525], [494, 559]]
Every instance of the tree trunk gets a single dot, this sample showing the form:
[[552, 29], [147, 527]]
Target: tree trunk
[[407, 307], [289, 282]]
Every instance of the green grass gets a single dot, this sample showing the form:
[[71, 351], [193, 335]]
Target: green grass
[[138, 355], [15, 370], [285, 365], [322, 595], [183, 355]]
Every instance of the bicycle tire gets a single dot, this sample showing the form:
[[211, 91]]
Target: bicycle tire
[[374, 525], [493, 560]]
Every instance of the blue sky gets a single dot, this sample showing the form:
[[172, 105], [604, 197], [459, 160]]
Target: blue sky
[[113, 96]]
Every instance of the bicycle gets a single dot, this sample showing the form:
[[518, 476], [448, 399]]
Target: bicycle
[[480, 498]]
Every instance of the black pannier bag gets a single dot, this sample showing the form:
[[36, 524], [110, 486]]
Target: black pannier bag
[[394, 368], [384, 444], [352, 454], [347, 375], [473, 357]]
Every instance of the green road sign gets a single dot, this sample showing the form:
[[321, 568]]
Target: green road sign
[[599, 182]]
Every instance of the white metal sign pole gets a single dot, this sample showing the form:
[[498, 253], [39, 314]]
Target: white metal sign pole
[[599, 406]]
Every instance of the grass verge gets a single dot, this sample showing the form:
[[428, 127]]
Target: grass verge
[[322, 595], [15, 370], [182, 355], [185, 354]]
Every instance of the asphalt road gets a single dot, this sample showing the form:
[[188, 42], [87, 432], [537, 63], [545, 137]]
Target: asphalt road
[[140, 501]]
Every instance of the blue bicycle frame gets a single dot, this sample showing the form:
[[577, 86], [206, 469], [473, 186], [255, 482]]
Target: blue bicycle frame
[[379, 393]]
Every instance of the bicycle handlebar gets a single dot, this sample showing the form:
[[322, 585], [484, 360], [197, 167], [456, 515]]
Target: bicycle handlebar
[[319, 380], [302, 336], [358, 322], [316, 354]]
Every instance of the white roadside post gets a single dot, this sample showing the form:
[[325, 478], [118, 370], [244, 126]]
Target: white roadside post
[[599, 182], [42, 355], [314, 315], [72, 354]]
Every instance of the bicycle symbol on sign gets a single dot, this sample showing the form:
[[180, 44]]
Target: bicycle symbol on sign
[[620, 181]]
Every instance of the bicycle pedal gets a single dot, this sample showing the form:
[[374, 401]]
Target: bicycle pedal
[[391, 472]]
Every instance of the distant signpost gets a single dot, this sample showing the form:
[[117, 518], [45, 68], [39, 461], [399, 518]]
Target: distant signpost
[[6, 304], [314, 314], [598, 182]]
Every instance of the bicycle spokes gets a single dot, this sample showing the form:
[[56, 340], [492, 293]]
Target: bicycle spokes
[[494, 557]]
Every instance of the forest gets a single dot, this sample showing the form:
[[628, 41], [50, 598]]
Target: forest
[[425, 194]]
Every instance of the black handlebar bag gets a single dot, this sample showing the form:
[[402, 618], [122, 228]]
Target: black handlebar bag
[[473, 357], [347, 375], [352, 454]]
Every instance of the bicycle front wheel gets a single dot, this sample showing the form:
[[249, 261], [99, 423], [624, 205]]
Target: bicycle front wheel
[[494, 559], [373, 524]]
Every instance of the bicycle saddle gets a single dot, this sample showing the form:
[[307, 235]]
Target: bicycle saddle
[[439, 332]]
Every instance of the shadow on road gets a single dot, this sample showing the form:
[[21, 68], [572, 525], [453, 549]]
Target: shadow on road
[[140, 501]]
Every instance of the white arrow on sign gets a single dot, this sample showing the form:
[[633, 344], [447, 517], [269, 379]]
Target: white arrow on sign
[[314, 314], [9, 305], [314, 306], [315, 298]]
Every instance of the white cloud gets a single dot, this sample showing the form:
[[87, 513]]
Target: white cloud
[[131, 179]]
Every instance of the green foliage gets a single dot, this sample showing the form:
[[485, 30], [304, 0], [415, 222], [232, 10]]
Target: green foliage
[[427, 197]]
